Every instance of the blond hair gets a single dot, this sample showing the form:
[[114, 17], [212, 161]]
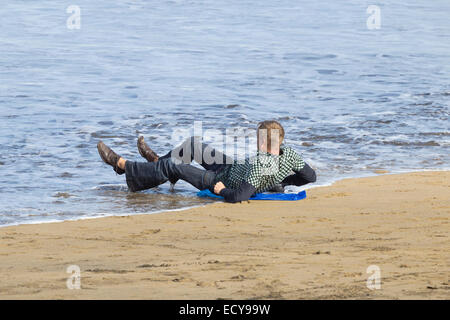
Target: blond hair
[[272, 131]]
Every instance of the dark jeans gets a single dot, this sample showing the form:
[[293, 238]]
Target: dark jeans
[[176, 165]]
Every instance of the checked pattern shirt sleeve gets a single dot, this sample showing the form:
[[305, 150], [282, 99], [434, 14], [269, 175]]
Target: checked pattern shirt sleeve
[[296, 159], [254, 175]]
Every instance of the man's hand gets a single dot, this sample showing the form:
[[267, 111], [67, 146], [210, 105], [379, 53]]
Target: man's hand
[[218, 187]]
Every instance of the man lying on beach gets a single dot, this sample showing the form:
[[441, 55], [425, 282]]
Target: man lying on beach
[[274, 166]]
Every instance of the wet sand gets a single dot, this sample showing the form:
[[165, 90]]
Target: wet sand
[[317, 248]]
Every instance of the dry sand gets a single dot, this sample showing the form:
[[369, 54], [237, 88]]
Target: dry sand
[[318, 248]]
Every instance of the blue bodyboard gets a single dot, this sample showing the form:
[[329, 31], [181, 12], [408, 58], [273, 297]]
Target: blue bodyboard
[[261, 196]]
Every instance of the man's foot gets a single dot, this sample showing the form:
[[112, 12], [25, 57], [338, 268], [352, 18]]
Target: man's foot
[[146, 151], [109, 157]]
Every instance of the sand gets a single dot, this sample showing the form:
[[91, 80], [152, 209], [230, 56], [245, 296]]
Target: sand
[[318, 248]]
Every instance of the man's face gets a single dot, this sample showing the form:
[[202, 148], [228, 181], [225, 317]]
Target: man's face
[[263, 144]]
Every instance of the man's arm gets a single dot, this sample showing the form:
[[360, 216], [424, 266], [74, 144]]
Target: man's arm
[[303, 176], [243, 193], [303, 172], [247, 188]]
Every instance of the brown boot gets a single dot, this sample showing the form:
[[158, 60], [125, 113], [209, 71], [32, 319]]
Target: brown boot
[[109, 156], [145, 150]]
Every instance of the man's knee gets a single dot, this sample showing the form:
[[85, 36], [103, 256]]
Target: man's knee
[[313, 177], [192, 141]]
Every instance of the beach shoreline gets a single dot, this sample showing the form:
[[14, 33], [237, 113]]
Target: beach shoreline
[[317, 248], [100, 215]]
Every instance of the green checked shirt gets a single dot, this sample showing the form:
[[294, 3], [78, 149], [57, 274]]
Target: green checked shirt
[[262, 171]]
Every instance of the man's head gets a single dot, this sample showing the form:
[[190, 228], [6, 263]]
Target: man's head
[[270, 136]]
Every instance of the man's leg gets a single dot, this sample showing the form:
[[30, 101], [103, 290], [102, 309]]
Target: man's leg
[[191, 148], [194, 149], [146, 175], [142, 176]]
